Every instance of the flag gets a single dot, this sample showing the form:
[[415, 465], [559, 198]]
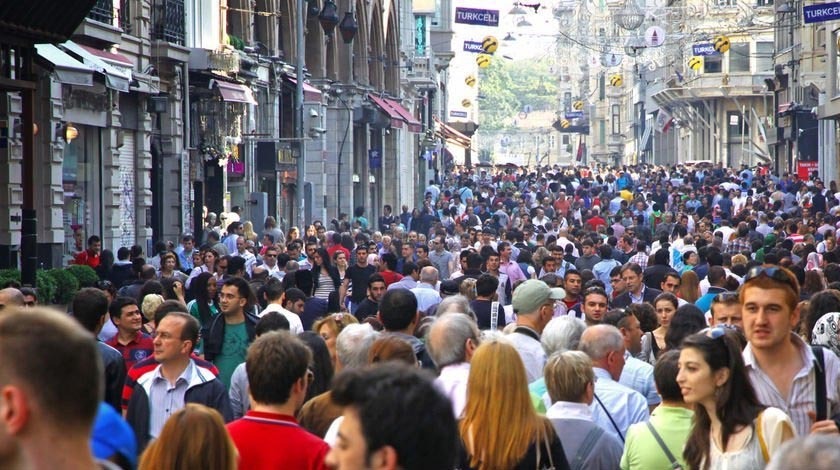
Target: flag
[[663, 120], [581, 151]]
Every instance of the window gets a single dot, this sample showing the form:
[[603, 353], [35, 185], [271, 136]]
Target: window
[[764, 56], [712, 64], [564, 139], [738, 126], [616, 119], [602, 134], [764, 3], [726, 3], [567, 101], [739, 57]]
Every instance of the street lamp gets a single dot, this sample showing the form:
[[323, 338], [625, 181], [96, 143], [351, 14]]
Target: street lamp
[[348, 27], [329, 17]]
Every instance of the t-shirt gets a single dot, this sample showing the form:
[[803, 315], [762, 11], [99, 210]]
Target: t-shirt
[[136, 350], [359, 281], [234, 349], [268, 441]]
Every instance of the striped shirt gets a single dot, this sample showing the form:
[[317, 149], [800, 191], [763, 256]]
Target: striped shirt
[[165, 399], [802, 394]]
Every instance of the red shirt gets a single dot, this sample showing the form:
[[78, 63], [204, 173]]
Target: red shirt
[[141, 347], [390, 277], [270, 441], [331, 251], [89, 258]]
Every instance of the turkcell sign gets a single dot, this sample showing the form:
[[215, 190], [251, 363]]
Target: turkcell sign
[[821, 13], [473, 46], [704, 49], [476, 16], [574, 114]]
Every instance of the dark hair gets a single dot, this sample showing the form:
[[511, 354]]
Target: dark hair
[[115, 309], [167, 307], [244, 289], [273, 289], [687, 320], [665, 376], [397, 309], [736, 403], [235, 265], [390, 261], [646, 315], [486, 285], [321, 365], [617, 317], [821, 303], [276, 360], [89, 306], [202, 296], [271, 321], [399, 406], [667, 296]]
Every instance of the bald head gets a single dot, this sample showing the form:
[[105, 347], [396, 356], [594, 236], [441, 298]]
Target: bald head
[[11, 297], [429, 275], [605, 346], [452, 339]]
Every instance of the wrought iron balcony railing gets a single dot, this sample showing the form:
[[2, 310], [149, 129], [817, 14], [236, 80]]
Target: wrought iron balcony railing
[[168, 21], [103, 12]]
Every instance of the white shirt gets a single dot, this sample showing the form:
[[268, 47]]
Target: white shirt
[[295, 325], [531, 352], [569, 410], [452, 381]]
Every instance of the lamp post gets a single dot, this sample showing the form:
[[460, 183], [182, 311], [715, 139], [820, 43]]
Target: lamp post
[[300, 57]]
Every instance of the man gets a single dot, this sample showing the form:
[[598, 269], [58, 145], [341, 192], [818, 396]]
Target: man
[[90, 309], [356, 276], [176, 381], [417, 430], [244, 253], [273, 269], [351, 350], [228, 335], [11, 297], [637, 292], [637, 374], [780, 365], [452, 341], [726, 310], [387, 269], [617, 283], [504, 288], [278, 377], [486, 288], [507, 265], [130, 341], [387, 219], [270, 225], [533, 303], [370, 305], [717, 285], [593, 306], [30, 296], [571, 387], [671, 284], [234, 231], [672, 420], [603, 268], [214, 242], [421, 253], [473, 269], [185, 253], [410, 273], [91, 255], [616, 406], [290, 305], [440, 258], [50, 382], [426, 293], [572, 283], [398, 314], [589, 259]]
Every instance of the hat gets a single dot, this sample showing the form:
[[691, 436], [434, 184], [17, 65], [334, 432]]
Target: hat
[[825, 332], [449, 287], [532, 293], [112, 435]]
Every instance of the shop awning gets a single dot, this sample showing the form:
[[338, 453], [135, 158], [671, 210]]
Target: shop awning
[[234, 92], [386, 107], [414, 125], [116, 77], [67, 69], [310, 93], [451, 134]]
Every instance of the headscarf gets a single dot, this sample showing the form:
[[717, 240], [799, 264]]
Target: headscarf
[[825, 332], [814, 261]]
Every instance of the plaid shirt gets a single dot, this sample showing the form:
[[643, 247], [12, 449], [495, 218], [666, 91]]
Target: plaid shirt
[[738, 245], [640, 258]]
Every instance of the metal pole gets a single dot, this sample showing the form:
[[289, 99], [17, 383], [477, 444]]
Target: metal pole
[[301, 161]]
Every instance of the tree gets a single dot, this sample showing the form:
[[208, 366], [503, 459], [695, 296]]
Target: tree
[[506, 87]]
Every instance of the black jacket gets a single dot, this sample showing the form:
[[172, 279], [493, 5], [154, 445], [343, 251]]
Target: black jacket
[[623, 300], [214, 333], [114, 375]]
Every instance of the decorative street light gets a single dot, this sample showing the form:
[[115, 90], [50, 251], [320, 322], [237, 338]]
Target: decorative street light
[[329, 17], [348, 27], [630, 17]]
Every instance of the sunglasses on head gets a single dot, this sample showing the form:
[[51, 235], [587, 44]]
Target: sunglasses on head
[[725, 297], [773, 272]]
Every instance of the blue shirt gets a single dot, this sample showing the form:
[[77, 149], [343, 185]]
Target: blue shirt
[[625, 405], [638, 375], [165, 399]]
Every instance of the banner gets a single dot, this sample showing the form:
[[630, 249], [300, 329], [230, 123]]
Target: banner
[[374, 159]]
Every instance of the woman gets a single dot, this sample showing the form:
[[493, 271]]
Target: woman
[[500, 428], [340, 263], [653, 343], [690, 261], [193, 437], [169, 267], [207, 265], [106, 264], [325, 278], [813, 284], [329, 327], [731, 428], [148, 308], [294, 234], [248, 232], [687, 320], [321, 367], [205, 306], [359, 218], [689, 287], [813, 262]]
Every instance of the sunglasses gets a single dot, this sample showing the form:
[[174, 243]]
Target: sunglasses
[[725, 297], [773, 272]]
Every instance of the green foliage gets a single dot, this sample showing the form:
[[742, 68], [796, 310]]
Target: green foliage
[[85, 274], [237, 43], [10, 274], [47, 286], [66, 285], [507, 86]]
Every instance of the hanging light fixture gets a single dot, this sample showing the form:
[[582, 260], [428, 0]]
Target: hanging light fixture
[[70, 132], [348, 27], [328, 17], [630, 17], [313, 9]]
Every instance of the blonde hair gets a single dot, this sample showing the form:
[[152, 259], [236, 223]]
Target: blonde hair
[[567, 374], [248, 231], [335, 321], [499, 422], [193, 437], [150, 304], [467, 288]]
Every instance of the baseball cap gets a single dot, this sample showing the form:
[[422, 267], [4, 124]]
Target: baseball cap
[[449, 287], [532, 293], [112, 435]]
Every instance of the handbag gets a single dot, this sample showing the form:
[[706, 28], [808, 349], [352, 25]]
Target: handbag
[[548, 448]]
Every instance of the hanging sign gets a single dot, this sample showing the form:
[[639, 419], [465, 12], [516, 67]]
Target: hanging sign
[[476, 16]]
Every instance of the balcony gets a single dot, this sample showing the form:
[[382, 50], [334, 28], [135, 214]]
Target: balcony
[[103, 12], [168, 21]]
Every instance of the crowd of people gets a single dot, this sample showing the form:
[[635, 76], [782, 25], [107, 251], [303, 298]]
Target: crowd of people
[[599, 318]]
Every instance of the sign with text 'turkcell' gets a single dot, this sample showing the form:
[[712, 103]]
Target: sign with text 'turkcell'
[[476, 16], [473, 46], [821, 13], [704, 49]]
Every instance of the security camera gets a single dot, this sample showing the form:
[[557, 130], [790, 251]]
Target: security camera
[[318, 130], [313, 113]]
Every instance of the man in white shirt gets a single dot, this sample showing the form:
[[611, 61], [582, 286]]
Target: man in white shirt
[[533, 302], [289, 305], [616, 406], [242, 252], [452, 340], [426, 293]]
